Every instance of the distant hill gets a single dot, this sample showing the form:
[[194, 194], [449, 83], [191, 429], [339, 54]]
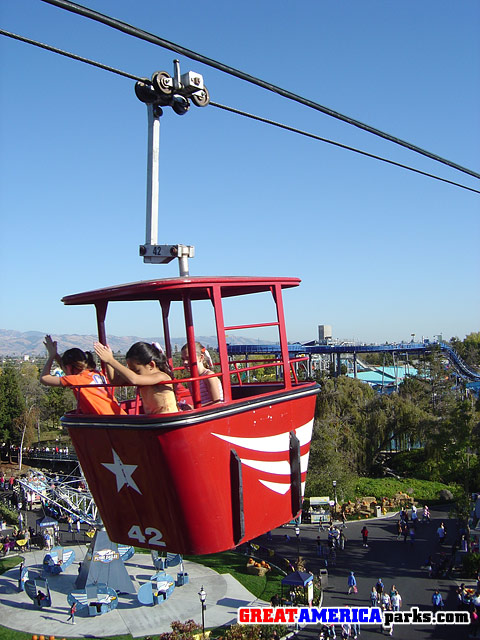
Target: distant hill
[[18, 343]]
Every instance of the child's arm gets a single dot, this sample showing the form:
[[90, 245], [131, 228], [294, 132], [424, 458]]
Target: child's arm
[[114, 374], [45, 377], [114, 377], [51, 346], [215, 389], [105, 354]]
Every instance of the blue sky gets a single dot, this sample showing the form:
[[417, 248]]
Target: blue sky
[[382, 252]]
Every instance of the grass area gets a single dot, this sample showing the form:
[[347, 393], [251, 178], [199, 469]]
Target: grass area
[[422, 490], [8, 562], [263, 587]]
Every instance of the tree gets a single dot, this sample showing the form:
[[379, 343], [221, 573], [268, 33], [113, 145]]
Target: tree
[[469, 349], [452, 444], [25, 429], [56, 401], [338, 449], [12, 403], [395, 419]]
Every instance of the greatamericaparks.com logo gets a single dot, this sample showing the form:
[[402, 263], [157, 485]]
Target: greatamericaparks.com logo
[[340, 615]]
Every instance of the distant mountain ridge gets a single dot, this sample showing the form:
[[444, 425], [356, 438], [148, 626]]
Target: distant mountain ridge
[[18, 343]]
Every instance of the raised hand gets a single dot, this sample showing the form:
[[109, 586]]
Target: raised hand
[[103, 352], [50, 345]]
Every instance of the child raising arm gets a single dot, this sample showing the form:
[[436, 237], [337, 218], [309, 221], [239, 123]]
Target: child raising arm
[[79, 368], [147, 367]]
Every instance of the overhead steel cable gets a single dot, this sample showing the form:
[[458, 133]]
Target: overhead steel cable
[[338, 144], [74, 56], [166, 44], [286, 127]]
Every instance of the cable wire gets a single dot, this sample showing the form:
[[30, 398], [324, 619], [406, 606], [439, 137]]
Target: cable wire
[[313, 136], [166, 44], [339, 144], [48, 47]]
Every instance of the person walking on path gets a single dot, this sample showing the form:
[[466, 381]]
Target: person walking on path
[[399, 529], [441, 533], [385, 602], [373, 597], [412, 535], [73, 609], [355, 632], [352, 583], [437, 600], [364, 533], [414, 517], [379, 588], [395, 600]]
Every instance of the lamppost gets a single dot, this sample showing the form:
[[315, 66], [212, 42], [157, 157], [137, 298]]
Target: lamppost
[[203, 596], [297, 533], [334, 483]]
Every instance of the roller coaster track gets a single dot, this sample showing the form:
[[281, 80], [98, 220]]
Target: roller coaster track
[[63, 495], [417, 348]]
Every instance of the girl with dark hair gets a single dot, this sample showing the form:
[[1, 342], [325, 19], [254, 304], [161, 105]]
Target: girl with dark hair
[[80, 369], [148, 368], [211, 390]]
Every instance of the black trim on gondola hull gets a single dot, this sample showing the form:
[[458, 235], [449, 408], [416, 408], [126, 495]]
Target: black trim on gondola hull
[[185, 419]]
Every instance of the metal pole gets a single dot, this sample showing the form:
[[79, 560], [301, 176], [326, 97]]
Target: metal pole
[[153, 152]]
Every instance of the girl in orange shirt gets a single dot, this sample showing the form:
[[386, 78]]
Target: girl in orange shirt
[[80, 369]]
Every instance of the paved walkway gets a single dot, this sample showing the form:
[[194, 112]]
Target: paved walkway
[[17, 611], [386, 557]]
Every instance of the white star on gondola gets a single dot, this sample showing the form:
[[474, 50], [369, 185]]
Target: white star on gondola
[[123, 472]]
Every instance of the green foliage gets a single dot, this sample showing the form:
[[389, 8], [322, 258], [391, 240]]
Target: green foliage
[[10, 634], [55, 402], [393, 418], [469, 349], [8, 514], [181, 631], [355, 427], [420, 490], [338, 446], [9, 562], [12, 403], [471, 565], [254, 631]]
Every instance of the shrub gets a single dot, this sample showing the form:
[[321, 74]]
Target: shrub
[[254, 631], [10, 515], [471, 565], [420, 490]]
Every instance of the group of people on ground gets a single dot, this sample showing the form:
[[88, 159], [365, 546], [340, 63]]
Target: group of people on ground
[[18, 537], [7, 484], [147, 368], [406, 526]]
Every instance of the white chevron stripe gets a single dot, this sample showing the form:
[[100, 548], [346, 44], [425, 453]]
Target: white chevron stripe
[[280, 487], [277, 467], [271, 444]]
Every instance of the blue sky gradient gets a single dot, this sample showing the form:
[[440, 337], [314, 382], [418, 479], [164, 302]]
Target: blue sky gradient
[[382, 252]]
